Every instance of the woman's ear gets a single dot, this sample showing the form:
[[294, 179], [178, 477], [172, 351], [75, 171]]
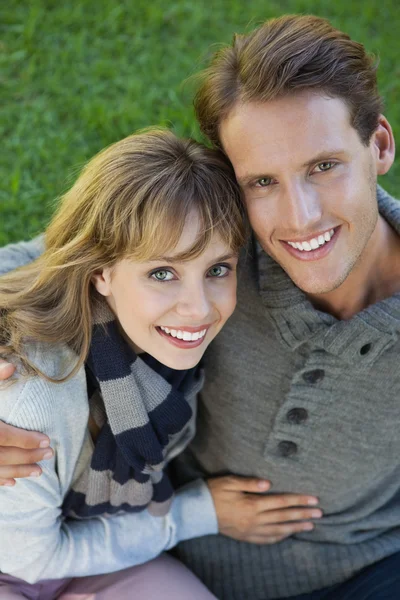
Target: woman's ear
[[382, 142], [102, 281]]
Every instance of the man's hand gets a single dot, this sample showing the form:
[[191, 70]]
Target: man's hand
[[245, 513], [6, 370], [20, 449]]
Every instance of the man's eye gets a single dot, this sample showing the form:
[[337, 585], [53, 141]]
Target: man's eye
[[162, 275], [324, 166], [264, 182], [219, 271]]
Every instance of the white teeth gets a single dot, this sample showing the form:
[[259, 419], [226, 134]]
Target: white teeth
[[186, 336], [314, 243]]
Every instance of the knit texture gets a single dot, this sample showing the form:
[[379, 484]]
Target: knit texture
[[277, 354], [36, 541]]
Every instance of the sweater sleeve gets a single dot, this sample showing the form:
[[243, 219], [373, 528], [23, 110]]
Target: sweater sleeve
[[17, 255], [38, 543]]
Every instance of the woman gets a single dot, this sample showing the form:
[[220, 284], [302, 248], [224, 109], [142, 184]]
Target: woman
[[108, 327]]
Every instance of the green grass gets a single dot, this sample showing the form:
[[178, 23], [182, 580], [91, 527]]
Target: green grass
[[80, 75]]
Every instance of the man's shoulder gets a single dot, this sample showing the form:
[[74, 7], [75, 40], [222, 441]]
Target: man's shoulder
[[20, 254]]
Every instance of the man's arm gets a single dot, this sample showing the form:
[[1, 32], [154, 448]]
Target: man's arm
[[19, 449], [17, 255]]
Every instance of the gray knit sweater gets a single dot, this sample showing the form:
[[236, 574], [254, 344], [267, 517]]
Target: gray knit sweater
[[311, 403]]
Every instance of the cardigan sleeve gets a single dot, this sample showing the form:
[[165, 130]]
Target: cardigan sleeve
[[17, 255], [38, 543]]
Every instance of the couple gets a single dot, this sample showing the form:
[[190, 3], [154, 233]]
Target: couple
[[301, 386]]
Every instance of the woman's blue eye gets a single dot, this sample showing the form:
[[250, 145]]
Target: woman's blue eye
[[162, 275], [218, 271]]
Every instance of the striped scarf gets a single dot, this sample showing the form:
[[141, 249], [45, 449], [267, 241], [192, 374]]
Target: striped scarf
[[145, 412]]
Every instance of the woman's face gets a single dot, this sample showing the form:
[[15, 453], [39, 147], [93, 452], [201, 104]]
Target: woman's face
[[172, 310]]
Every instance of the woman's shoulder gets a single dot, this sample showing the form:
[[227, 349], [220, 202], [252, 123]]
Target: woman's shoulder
[[31, 401]]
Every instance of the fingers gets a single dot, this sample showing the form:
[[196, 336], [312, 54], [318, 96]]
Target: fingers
[[288, 515], [6, 369], [13, 436], [282, 501], [7, 474], [252, 485], [11, 457], [7, 482], [271, 534]]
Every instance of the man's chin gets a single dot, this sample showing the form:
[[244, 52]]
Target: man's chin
[[318, 286]]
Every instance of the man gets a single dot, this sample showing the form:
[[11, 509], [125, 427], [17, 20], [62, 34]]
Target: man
[[303, 384]]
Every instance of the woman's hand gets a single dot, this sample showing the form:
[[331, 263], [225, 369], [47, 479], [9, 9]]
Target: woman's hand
[[245, 513], [20, 449]]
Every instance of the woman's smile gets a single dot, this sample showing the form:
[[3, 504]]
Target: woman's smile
[[184, 337]]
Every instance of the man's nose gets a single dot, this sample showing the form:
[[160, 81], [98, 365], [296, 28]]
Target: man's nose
[[302, 206]]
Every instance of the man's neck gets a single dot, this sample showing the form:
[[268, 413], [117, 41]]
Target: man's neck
[[375, 277]]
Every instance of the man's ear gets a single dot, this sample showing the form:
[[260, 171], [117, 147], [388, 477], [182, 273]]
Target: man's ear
[[102, 281], [382, 143]]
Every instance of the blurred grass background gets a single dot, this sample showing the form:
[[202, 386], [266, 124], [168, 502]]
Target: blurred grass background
[[78, 75]]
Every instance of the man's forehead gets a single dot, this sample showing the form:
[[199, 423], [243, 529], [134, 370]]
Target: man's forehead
[[297, 128]]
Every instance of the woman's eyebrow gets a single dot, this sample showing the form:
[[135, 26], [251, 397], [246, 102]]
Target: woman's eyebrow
[[174, 259]]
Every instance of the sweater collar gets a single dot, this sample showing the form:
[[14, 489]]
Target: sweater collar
[[359, 340]]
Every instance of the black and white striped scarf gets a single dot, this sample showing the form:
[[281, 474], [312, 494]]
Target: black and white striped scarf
[[146, 413]]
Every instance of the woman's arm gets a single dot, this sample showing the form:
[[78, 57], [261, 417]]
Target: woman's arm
[[37, 543]]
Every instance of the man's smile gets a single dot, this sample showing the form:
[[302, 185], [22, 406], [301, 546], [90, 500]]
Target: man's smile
[[313, 243], [313, 248]]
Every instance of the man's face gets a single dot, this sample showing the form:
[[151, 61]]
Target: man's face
[[309, 184]]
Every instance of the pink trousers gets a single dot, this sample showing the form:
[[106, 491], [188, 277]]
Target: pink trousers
[[164, 577]]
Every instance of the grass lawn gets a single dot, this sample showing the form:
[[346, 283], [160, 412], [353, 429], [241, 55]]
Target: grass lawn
[[79, 75]]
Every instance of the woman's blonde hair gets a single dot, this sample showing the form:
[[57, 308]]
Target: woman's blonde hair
[[131, 201]]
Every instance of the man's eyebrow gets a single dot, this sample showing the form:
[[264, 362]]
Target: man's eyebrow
[[324, 155], [174, 259]]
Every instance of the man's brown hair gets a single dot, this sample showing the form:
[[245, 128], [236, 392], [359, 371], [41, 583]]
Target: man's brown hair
[[284, 56]]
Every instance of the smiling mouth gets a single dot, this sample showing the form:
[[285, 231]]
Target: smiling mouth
[[182, 338], [313, 243], [312, 248], [183, 334]]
